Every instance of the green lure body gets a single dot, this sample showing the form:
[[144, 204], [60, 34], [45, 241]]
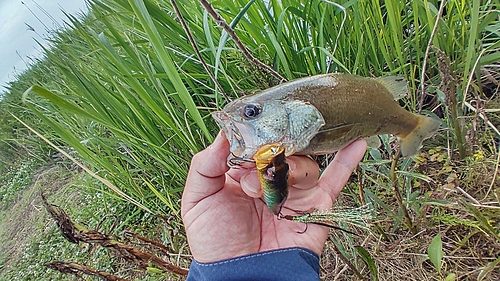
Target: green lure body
[[273, 175]]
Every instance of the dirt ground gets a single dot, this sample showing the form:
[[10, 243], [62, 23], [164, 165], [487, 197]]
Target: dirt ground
[[25, 218]]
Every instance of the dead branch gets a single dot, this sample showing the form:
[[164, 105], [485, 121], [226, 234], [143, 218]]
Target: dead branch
[[222, 23], [76, 233], [76, 268]]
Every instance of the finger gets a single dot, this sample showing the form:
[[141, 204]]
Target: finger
[[303, 172], [207, 172], [250, 184], [338, 172], [238, 171]]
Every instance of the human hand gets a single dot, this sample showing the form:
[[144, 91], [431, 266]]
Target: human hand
[[224, 214]]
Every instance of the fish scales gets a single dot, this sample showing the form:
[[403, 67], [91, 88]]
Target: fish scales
[[352, 110], [316, 115], [321, 114]]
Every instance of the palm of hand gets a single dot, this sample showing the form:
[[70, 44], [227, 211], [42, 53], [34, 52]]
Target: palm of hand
[[222, 221]]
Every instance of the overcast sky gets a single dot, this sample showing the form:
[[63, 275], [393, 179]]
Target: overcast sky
[[22, 21]]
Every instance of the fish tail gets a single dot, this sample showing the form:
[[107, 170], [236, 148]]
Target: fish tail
[[425, 128]]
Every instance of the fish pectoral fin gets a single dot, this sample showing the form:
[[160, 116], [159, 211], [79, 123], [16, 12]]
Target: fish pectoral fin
[[339, 129], [336, 133]]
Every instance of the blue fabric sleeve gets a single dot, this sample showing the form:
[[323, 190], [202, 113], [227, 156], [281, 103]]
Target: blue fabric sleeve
[[283, 264]]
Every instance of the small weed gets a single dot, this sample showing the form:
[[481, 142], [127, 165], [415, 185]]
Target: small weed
[[15, 178]]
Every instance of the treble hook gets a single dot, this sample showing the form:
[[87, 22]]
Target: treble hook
[[235, 161]]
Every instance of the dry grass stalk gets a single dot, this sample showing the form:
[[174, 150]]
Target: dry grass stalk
[[76, 233], [222, 23]]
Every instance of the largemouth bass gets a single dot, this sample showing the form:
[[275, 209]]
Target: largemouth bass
[[321, 114]]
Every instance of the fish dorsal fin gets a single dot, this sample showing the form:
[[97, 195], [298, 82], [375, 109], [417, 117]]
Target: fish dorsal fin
[[396, 85]]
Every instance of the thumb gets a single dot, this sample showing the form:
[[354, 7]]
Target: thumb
[[338, 172], [207, 173]]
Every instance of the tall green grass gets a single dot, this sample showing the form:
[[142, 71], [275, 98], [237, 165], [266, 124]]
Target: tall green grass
[[130, 97]]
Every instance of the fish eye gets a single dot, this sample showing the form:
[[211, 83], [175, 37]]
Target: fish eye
[[251, 110]]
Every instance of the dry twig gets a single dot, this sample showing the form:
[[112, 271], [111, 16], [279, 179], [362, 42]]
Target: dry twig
[[399, 198], [426, 56], [76, 268], [197, 51], [78, 233], [346, 261], [222, 23]]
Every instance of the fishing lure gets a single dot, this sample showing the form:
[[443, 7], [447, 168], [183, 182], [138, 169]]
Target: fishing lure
[[357, 216], [273, 175]]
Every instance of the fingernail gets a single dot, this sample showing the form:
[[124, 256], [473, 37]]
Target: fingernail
[[216, 140], [292, 166]]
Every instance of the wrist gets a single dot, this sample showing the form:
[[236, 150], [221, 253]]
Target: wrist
[[281, 264]]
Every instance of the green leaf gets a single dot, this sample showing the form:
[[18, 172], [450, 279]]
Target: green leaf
[[370, 262], [488, 268], [451, 277], [415, 175], [168, 65], [435, 252], [486, 227], [225, 36], [57, 100]]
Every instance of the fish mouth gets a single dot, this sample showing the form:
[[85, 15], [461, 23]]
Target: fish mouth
[[233, 135]]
